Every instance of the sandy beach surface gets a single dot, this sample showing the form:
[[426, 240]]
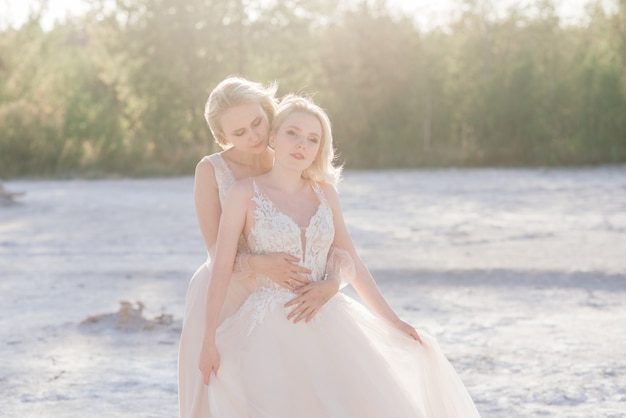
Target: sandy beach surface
[[520, 274]]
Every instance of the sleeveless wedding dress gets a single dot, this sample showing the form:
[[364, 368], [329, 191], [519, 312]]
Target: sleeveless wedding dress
[[192, 394], [345, 363]]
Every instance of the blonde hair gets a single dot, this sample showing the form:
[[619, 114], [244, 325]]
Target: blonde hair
[[322, 168], [235, 91]]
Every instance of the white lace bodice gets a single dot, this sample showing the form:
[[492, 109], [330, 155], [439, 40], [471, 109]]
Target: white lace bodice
[[274, 231]]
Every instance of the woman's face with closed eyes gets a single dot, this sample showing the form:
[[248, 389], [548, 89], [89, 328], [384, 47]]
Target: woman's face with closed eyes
[[246, 127]]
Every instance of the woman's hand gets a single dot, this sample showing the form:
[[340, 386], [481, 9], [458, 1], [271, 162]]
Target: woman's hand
[[312, 297], [209, 360], [407, 329], [282, 268]]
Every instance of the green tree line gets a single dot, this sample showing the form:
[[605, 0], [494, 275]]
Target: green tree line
[[121, 89]]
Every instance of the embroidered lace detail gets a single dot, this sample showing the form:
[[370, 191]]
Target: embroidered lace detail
[[274, 231], [265, 300]]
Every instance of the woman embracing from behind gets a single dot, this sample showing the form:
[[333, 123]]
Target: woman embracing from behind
[[348, 362], [239, 113]]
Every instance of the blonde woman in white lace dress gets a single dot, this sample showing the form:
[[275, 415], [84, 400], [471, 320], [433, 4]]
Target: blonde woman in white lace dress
[[348, 362], [239, 113]]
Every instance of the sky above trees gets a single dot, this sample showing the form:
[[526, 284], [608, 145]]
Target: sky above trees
[[427, 13]]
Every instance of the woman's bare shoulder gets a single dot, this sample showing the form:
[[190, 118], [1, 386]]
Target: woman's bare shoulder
[[330, 192], [205, 169], [242, 189], [207, 162]]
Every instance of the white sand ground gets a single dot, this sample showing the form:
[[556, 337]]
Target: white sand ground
[[520, 274]]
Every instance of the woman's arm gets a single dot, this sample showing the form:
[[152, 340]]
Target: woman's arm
[[311, 298], [281, 268], [339, 273], [340, 266], [363, 281], [231, 225]]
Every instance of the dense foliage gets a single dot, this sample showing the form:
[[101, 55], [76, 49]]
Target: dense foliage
[[121, 89]]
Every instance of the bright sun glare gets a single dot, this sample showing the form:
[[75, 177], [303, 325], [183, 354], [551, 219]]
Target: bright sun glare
[[427, 13]]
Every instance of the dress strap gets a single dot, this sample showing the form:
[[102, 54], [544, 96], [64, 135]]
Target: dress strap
[[221, 167], [257, 189], [319, 192], [223, 174], [259, 197]]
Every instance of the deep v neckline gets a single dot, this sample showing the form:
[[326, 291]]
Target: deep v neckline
[[261, 192]]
